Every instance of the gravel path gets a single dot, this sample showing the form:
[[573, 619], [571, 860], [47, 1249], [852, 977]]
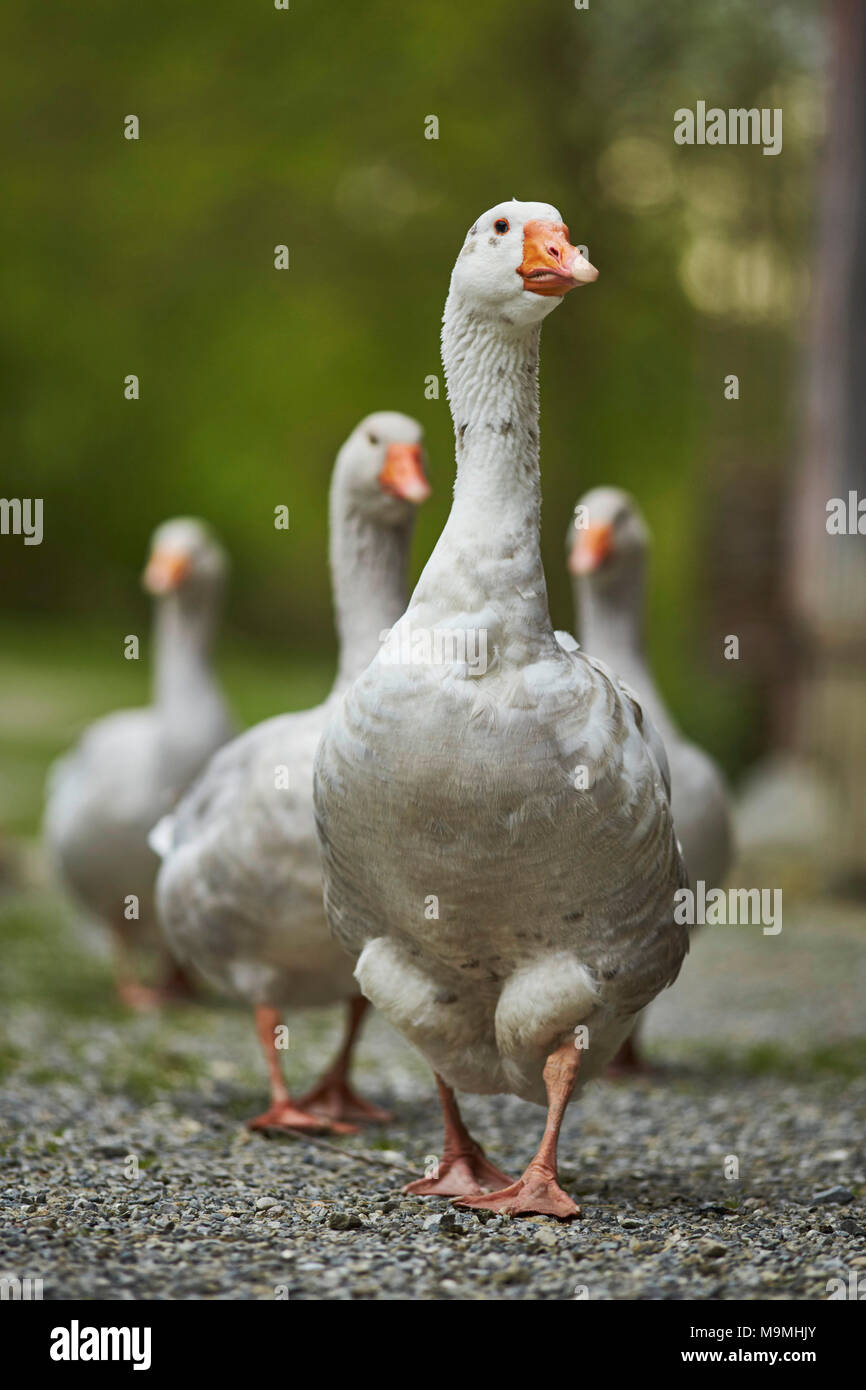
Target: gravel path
[[765, 1080]]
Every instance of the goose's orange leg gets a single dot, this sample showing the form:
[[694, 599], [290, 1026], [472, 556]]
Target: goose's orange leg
[[463, 1168], [538, 1191], [283, 1112], [333, 1097]]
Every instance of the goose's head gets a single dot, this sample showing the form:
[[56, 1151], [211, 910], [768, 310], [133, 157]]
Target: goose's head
[[184, 558], [517, 262], [380, 468], [608, 538]]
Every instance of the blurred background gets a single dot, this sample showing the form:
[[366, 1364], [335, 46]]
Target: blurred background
[[307, 128]]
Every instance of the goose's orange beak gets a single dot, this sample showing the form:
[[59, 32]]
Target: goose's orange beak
[[403, 473], [592, 545], [166, 571], [551, 265]]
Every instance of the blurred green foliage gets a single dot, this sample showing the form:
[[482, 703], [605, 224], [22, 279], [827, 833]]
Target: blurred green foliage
[[306, 127]]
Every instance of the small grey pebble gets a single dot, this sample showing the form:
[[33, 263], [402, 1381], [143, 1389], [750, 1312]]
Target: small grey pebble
[[546, 1238], [483, 1214], [449, 1225], [712, 1249], [833, 1195], [344, 1221]]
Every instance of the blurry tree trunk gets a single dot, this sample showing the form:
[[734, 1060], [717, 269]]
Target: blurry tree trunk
[[827, 573]]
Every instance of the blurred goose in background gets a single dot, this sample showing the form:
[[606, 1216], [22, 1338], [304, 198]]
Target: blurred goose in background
[[129, 768], [240, 888], [608, 555], [496, 901]]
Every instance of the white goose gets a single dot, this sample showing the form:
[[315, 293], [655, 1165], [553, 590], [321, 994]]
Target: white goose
[[493, 904], [607, 558], [129, 768], [240, 888]]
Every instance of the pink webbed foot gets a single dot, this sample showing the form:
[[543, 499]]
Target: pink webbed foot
[[138, 997], [176, 988], [537, 1193], [335, 1100], [461, 1175], [285, 1115]]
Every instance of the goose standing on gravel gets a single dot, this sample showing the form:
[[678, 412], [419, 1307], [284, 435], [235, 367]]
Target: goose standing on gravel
[[240, 888], [498, 844], [129, 768], [607, 558]]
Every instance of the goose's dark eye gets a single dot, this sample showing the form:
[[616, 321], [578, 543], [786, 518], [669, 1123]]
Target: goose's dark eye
[[501, 226], [373, 438]]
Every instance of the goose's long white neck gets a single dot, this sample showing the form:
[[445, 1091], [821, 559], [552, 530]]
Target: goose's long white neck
[[491, 542], [369, 563], [183, 678], [611, 619], [611, 627]]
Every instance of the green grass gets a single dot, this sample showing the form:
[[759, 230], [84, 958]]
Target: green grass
[[845, 1060], [45, 961], [150, 1070], [10, 1057]]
